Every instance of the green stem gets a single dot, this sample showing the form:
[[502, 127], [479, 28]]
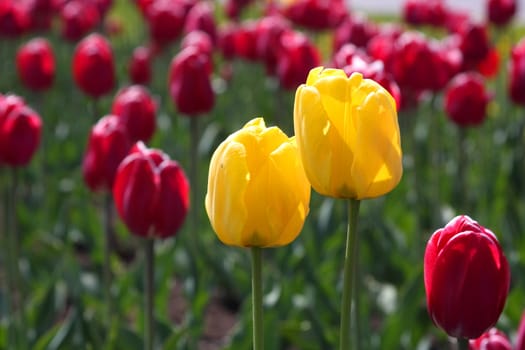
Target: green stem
[[194, 173], [258, 332], [10, 266], [148, 294], [463, 344], [95, 106], [108, 233], [460, 180], [348, 272]]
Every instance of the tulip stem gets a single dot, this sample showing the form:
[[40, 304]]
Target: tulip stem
[[194, 173], [106, 269], [463, 344], [350, 268], [258, 332], [13, 246], [148, 293]]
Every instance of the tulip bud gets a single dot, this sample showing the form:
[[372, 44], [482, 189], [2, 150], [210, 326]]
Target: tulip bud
[[20, 132], [500, 12], [466, 277], [201, 17], [466, 99], [139, 68], [151, 193], [258, 194], [348, 135], [296, 57], [517, 73], [314, 14], [137, 110], [35, 63], [108, 144], [491, 340], [201, 40], [78, 18], [14, 19], [93, 66], [189, 82], [165, 19]]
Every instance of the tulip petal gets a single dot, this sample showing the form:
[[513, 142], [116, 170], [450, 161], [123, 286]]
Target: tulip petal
[[226, 191], [291, 195], [312, 125], [173, 201], [464, 278], [377, 167]]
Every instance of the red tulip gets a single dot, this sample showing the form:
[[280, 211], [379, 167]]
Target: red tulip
[[226, 41], [78, 18], [14, 18], [233, 8], [474, 44], [199, 39], [500, 12], [382, 46], [93, 66], [245, 41], [189, 82], [466, 277], [424, 12], [20, 132], [316, 14], [354, 30], [419, 64], [520, 338], [165, 19], [517, 73], [269, 30], [41, 14], [108, 145], [137, 110], [466, 99], [201, 17], [151, 193], [139, 67], [296, 57], [35, 63], [491, 340]]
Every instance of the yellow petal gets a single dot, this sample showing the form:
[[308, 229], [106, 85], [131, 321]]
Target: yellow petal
[[377, 166], [227, 182], [311, 126]]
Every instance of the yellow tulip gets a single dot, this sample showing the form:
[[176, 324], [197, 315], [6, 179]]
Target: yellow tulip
[[258, 194], [348, 135]]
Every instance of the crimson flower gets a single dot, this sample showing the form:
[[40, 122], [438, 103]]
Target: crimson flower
[[165, 19], [189, 82], [139, 67], [93, 66], [296, 57], [78, 18], [137, 110], [467, 278], [20, 131], [35, 63], [466, 99], [500, 12], [201, 17], [151, 193], [107, 146], [493, 339], [516, 79]]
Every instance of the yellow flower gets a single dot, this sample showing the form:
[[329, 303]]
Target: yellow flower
[[258, 194], [348, 135]]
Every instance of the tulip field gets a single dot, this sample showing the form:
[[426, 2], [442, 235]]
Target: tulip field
[[248, 174]]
